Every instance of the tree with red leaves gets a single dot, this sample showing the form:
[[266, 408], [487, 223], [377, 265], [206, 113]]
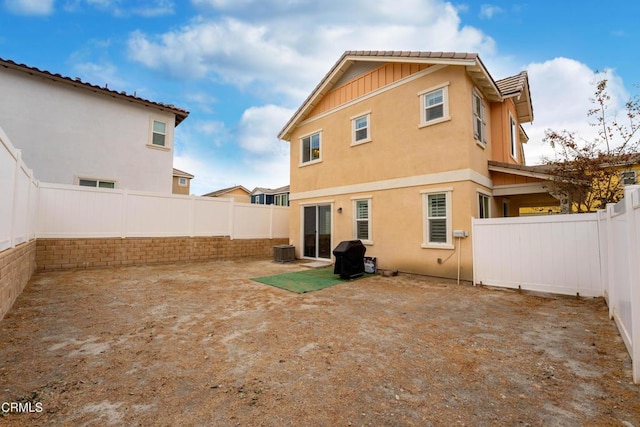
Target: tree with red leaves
[[586, 172]]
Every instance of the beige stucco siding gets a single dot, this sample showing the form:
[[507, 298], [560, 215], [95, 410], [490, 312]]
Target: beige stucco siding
[[399, 147], [398, 227], [403, 161]]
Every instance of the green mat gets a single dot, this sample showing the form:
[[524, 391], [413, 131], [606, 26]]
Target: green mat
[[303, 281]]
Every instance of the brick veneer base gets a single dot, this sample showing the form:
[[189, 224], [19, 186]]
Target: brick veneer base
[[16, 267], [59, 254]]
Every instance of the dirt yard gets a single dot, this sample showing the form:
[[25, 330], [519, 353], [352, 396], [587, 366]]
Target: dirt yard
[[201, 344]]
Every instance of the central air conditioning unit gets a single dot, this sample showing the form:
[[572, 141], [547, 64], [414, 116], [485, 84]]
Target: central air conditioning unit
[[284, 253]]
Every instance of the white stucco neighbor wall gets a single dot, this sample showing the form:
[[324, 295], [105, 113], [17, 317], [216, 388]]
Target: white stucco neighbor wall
[[68, 132]]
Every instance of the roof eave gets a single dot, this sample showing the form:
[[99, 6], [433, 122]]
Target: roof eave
[[474, 67], [180, 114]]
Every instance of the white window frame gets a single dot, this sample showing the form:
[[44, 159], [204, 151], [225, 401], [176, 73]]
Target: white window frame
[[631, 173], [281, 199], [426, 243], [479, 119], [355, 200], [513, 133], [354, 120], [168, 132], [445, 105], [484, 197], [310, 136], [97, 181], [182, 181]]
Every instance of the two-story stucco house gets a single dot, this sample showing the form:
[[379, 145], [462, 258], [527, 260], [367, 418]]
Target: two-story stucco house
[[401, 150], [72, 132]]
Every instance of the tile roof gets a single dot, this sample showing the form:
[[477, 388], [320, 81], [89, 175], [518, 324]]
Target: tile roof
[[178, 172], [263, 190], [179, 112], [514, 84], [411, 54], [225, 191], [474, 64]]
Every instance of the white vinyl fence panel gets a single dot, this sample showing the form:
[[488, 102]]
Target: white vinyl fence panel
[[621, 269], [68, 211], [587, 254], [18, 197], [556, 253]]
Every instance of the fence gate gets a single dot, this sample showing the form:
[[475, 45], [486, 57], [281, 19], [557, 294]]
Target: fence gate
[[556, 253]]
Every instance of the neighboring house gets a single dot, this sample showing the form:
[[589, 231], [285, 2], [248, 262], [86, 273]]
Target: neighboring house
[[271, 196], [401, 150], [73, 132], [181, 182], [626, 171], [237, 192]]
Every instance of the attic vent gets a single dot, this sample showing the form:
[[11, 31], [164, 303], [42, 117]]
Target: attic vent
[[629, 177]]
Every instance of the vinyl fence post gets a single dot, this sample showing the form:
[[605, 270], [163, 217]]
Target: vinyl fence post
[[611, 254], [232, 212], [123, 218], [14, 200], [634, 277], [271, 209]]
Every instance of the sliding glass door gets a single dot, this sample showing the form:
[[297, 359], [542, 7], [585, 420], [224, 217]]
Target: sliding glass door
[[317, 231]]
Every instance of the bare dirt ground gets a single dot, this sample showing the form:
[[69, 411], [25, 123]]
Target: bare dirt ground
[[201, 344]]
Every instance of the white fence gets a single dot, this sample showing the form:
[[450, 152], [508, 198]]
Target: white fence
[[555, 253], [68, 211], [620, 249], [18, 197], [588, 254]]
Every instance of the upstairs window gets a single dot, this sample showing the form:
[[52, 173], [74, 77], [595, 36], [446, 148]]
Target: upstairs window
[[182, 181], [479, 121], [514, 138], [159, 133], [310, 146], [361, 129], [434, 105]]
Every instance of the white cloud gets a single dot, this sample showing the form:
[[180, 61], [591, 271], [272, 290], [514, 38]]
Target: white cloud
[[100, 74], [260, 160], [286, 53], [561, 90], [122, 8], [488, 11], [30, 7], [259, 127]]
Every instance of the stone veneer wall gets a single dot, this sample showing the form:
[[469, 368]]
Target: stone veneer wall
[[59, 254], [16, 267]]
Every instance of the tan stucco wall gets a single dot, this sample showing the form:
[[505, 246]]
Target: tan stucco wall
[[399, 148], [396, 166], [397, 228]]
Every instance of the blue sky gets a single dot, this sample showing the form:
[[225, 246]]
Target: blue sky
[[242, 67]]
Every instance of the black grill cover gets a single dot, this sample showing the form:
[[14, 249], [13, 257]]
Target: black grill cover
[[349, 259]]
